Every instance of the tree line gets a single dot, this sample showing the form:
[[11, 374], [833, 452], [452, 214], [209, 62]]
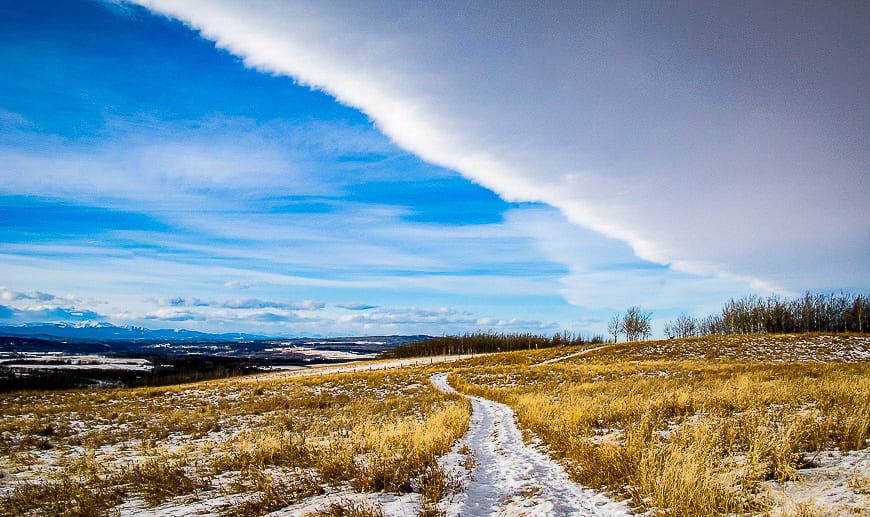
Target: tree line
[[830, 313], [485, 342]]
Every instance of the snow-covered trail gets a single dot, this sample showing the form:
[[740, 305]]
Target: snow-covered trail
[[569, 356], [512, 478]]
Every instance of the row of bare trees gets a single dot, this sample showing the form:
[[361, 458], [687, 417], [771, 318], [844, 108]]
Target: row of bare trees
[[485, 342], [835, 313]]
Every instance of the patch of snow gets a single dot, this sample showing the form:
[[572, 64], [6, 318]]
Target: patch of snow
[[59, 361], [356, 366], [390, 505], [320, 353], [512, 478], [184, 506], [839, 484]]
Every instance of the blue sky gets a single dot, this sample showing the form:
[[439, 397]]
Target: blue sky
[[343, 168]]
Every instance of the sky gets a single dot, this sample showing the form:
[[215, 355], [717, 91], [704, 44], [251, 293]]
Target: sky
[[351, 168]]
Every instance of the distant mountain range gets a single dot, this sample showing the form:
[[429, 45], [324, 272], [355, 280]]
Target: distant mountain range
[[105, 338], [102, 331], [31, 355]]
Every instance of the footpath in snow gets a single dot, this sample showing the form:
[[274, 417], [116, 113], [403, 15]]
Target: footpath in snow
[[510, 477], [569, 356]]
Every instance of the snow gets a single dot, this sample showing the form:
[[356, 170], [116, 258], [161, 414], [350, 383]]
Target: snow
[[837, 484], [510, 477], [321, 353], [768, 347], [569, 356], [355, 366], [390, 505], [184, 506], [59, 361]]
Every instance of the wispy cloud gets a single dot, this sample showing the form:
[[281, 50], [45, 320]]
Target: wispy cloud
[[174, 315], [356, 306], [162, 165], [253, 303]]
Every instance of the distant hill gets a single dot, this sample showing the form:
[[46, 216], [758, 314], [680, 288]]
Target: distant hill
[[105, 338], [102, 331]]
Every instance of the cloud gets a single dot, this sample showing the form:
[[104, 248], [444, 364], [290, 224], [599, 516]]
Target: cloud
[[9, 295], [241, 304], [45, 314], [272, 317], [184, 302], [436, 321], [235, 284], [166, 165], [174, 315], [605, 274], [41, 306], [515, 324], [14, 120], [253, 303], [718, 140], [413, 316], [247, 314], [356, 306]]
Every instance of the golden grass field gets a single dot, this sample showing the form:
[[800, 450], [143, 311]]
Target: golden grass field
[[267, 443], [702, 426], [691, 427]]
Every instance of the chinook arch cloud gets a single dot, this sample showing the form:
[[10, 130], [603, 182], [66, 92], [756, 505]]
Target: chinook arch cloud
[[717, 140]]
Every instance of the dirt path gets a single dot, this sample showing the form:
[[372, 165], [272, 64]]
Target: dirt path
[[512, 478]]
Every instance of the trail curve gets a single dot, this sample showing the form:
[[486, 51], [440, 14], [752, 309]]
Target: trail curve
[[512, 478]]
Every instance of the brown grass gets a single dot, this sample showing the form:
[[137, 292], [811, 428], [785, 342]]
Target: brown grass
[[685, 427], [374, 431], [692, 436]]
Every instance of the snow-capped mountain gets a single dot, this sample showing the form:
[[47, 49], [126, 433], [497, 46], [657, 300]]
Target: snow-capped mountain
[[103, 331]]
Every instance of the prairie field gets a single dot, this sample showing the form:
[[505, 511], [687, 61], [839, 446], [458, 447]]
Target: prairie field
[[246, 448], [701, 426], [727, 425]]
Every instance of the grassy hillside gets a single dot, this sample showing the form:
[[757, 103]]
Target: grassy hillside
[[266, 443], [693, 426], [702, 426]]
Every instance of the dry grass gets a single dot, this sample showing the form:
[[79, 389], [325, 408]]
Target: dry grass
[[687, 435], [686, 427], [371, 431], [349, 510]]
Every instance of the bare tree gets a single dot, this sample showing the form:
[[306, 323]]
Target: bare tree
[[614, 327], [684, 326], [843, 312], [636, 324]]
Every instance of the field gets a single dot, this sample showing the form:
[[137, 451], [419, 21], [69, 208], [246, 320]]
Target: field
[[748, 425], [703, 426]]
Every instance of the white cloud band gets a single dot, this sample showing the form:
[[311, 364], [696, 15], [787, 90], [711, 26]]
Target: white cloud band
[[678, 132]]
